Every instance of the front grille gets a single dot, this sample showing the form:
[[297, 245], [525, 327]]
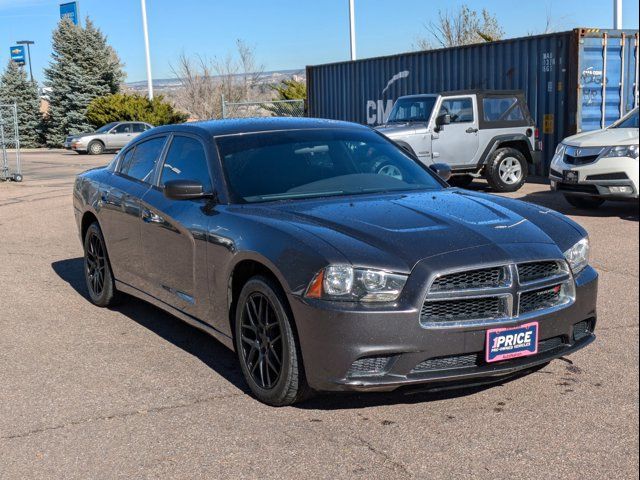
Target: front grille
[[586, 160], [530, 272], [463, 309], [540, 299], [581, 330], [368, 366], [609, 176], [473, 279], [473, 360]]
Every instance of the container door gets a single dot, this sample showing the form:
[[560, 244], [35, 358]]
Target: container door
[[607, 72]]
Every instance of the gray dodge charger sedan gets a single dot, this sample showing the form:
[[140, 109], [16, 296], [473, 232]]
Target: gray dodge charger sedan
[[330, 259]]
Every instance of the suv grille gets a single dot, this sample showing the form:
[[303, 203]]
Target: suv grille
[[474, 279], [529, 272], [454, 297], [368, 366], [571, 160]]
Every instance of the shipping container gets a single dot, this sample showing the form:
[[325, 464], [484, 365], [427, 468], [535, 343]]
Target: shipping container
[[574, 81]]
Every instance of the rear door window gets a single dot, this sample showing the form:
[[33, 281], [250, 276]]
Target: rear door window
[[140, 162], [460, 109]]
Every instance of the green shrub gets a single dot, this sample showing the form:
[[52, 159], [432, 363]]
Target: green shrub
[[122, 107]]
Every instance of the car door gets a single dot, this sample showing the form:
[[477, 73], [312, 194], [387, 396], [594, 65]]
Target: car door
[[120, 212], [457, 143], [119, 136], [174, 232]]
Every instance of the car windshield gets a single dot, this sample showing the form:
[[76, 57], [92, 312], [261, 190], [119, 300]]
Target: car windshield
[[297, 164], [106, 128], [412, 109], [630, 121]]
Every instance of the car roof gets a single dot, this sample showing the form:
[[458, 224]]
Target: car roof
[[218, 128], [451, 93]]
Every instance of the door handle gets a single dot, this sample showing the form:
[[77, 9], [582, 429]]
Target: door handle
[[471, 130], [150, 217]]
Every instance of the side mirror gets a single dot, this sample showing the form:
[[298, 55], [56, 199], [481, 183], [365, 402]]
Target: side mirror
[[442, 170], [444, 119], [184, 189]]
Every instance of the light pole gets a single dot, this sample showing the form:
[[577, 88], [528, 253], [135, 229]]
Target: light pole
[[352, 28], [617, 14], [146, 48], [28, 43]]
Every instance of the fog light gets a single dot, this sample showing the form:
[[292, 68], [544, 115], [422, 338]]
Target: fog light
[[554, 184], [621, 189]]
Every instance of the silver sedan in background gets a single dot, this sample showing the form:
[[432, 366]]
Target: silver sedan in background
[[112, 136]]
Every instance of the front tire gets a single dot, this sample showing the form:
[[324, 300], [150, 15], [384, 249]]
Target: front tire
[[97, 269], [266, 344], [506, 170], [585, 203], [95, 148]]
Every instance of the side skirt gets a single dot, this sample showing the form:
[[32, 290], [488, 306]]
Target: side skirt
[[194, 322]]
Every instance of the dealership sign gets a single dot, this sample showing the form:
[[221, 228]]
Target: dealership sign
[[17, 54], [69, 10]]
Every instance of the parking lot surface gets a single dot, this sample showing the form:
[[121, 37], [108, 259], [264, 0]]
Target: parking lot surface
[[134, 393]]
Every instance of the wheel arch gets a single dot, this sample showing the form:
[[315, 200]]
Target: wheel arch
[[519, 142], [88, 218]]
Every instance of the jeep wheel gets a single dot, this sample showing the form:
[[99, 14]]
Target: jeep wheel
[[506, 170], [462, 181], [585, 203]]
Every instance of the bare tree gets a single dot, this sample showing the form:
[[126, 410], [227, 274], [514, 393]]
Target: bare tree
[[204, 83], [462, 27]]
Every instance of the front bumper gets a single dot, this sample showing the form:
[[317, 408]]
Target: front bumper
[[333, 338], [601, 179]]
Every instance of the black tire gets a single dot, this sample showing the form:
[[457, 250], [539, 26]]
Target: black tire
[[16, 177], [585, 203], [97, 269], [499, 180], [95, 148], [461, 181], [264, 339]]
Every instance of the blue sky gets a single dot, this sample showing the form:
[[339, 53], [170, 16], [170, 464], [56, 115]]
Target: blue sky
[[286, 34]]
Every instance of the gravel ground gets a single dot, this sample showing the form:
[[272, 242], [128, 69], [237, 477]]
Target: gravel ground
[[134, 393]]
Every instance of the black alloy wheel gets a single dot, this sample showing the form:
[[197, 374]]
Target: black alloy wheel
[[97, 271], [262, 341], [266, 344]]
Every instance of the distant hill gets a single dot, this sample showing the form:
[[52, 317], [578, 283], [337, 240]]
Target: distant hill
[[168, 84]]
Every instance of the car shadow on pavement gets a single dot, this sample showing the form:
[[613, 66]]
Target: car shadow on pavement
[[224, 362], [193, 341]]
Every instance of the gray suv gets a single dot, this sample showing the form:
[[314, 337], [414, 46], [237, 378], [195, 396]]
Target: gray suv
[[112, 136], [477, 133]]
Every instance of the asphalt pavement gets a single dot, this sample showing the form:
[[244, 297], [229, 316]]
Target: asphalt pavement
[[132, 392]]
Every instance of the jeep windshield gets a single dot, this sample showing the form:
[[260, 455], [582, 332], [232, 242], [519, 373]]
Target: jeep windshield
[[412, 109], [297, 164]]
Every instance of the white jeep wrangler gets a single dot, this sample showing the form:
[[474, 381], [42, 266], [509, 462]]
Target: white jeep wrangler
[[475, 132]]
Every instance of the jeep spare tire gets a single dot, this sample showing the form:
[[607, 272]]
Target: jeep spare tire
[[506, 170]]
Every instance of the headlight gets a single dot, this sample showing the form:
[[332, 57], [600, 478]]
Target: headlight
[[578, 255], [343, 282], [621, 151], [560, 148]]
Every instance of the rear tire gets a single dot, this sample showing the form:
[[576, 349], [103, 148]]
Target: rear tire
[[97, 269], [506, 170], [95, 148], [585, 203], [461, 181], [267, 347]]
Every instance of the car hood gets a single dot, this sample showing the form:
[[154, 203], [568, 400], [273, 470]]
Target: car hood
[[394, 232], [397, 129], [604, 138]]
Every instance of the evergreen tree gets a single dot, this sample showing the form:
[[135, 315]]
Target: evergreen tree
[[16, 88], [84, 67]]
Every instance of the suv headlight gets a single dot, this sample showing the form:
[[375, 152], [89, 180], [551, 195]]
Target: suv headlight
[[560, 148], [578, 256], [346, 283], [621, 151]]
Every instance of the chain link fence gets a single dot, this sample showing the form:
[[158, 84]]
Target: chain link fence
[[10, 163], [275, 108]]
